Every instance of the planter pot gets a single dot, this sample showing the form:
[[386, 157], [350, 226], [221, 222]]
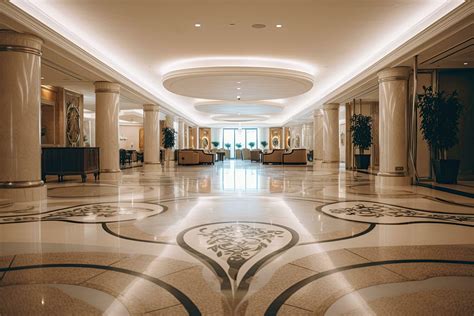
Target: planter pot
[[362, 161], [446, 171]]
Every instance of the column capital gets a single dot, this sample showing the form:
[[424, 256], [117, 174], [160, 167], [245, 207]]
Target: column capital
[[393, 74], [151, 108], [106, 87], [20, 42], [331, 106]]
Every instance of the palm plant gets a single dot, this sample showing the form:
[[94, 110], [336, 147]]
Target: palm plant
[[252, 145], [264, 144]]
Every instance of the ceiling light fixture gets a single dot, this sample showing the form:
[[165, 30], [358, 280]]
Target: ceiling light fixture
[[465, 64], [238, 88], [42, 78], [279, 26], [197, 25], [238, 97], [258, 26]]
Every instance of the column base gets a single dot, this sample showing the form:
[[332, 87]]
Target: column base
[[116, 175], [24, 194], [392, 181]]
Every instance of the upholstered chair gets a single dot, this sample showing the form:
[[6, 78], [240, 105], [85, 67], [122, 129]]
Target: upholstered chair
[[245, 154], [276, 156], [295, 157]]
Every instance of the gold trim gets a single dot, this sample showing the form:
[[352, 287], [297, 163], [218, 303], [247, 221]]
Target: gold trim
[[392, 174], [105, 90], [393, 78], [110, 170], [20, 49], [21, 184]]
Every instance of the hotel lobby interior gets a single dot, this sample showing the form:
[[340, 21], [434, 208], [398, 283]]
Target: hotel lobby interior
[[237, 157]]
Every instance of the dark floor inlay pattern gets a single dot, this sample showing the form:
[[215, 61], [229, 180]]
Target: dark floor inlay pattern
[[381, 213], [235, 251]]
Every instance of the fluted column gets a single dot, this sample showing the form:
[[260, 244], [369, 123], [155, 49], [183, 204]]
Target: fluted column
[[393, 102], [318, 134], [20, 101], [107, 107], [331, 133], [152, 135], [181, 136]]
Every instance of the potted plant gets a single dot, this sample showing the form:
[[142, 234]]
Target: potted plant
[[215, 144], [169, 140], [361, 128], [238, 145], [227, 145], [440, 113], [252, 145], [264, 144]]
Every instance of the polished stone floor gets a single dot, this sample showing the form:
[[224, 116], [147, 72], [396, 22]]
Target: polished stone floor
[[237, 238]]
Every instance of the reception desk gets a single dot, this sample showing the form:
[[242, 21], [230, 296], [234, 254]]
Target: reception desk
[[63, 161]]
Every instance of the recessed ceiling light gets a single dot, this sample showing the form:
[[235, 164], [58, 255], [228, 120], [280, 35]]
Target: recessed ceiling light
[[238, 81], [42, 78], [258, 26], [279, 26], [197, 25], [238, 88], [465, 64]]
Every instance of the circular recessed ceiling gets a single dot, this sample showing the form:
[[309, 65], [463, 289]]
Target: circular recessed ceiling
[[222, 83], [239, 118], [250, 108]]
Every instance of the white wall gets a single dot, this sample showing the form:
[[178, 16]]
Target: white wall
[[131, 133]]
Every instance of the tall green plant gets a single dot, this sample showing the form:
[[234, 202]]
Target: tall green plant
[[361, 128], [439, 114], [264, 143], [169, 137]]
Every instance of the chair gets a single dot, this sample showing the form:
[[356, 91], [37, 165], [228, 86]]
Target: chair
[[245, 154], [125, 157], [238, 154], [276, 157], [255, 155], [205, 157], [295, 157], [188, 157]]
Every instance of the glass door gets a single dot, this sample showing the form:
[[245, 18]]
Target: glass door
[[229, 138]]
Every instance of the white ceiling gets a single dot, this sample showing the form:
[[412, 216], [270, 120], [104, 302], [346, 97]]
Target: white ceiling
[[332, 40]]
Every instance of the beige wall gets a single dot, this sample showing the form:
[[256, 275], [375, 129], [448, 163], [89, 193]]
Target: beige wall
[[131, 133]]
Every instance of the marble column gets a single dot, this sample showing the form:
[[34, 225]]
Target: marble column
[[20, 104], [331, 133], [107, 107], [318, 135], [393, 102], [181, 137], [152, 135]]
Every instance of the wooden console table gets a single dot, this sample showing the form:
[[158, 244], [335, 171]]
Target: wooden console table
[[63, 161]]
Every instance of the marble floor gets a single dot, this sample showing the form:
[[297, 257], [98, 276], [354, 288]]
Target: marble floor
[[237, 238]]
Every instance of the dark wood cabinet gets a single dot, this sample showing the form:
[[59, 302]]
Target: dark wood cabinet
[[63, 161]]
